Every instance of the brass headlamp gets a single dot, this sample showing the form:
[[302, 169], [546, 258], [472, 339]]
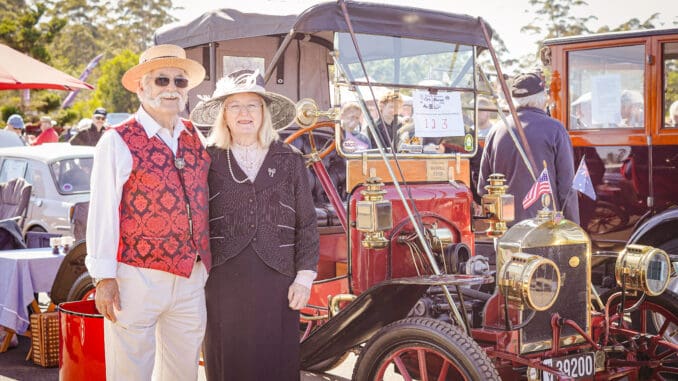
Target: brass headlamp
[[498, 205], [373, 214], [530, 281], [643, 268]]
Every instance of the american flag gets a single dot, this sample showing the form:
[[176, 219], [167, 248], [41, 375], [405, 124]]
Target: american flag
[[539, 188]]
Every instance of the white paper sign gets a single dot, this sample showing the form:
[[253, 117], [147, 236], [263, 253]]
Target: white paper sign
[[437, 115], [606, 99]]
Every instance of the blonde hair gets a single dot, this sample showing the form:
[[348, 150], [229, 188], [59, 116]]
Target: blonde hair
[[391, 96], [350, 106], [221, 134]]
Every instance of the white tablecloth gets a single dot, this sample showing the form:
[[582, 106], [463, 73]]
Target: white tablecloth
[[22, 274]]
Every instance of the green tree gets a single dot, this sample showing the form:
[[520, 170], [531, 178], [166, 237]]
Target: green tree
[[23, 29], [554, 19], [83, 36], [109, 92], [135, 21], [632, 24]]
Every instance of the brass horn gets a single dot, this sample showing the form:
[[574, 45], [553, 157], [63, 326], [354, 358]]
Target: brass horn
[[308, 113]]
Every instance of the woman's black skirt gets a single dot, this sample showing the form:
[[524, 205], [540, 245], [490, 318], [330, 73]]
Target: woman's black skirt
[[252, 334]]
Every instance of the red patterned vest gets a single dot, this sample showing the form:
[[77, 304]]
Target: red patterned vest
[[155, 228]]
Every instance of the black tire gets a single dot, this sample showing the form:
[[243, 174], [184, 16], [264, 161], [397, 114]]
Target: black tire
[[329, 364], [34, 228], [444, 346], [670, 246], [80, 288]]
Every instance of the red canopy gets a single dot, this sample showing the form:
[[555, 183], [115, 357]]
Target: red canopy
[[19, 71]]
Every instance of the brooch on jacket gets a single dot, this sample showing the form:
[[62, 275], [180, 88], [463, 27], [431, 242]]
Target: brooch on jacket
[[271, 172]]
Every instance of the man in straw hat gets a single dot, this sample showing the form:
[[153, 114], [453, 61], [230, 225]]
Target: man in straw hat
[[147, 237]]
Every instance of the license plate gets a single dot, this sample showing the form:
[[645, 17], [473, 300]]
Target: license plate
[[578, 366]]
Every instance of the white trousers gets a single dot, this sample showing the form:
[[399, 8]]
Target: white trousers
[[160, 329]]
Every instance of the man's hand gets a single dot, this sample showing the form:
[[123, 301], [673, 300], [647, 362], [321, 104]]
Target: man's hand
[[107, 298], [298, 296]]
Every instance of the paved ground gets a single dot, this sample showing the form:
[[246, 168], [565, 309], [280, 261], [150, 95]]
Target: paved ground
[[14, 367]]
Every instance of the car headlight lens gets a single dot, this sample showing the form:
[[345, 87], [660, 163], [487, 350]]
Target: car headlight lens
[[644, 268], [530, 281]]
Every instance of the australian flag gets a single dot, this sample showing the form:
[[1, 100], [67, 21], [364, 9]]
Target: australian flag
[[543, 185], [582, 181]]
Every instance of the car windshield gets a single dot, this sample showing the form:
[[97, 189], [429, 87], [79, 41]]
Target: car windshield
[[425, 91], [115, 118], [72, 175]]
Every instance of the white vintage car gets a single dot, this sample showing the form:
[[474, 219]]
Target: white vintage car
[[60, 175]]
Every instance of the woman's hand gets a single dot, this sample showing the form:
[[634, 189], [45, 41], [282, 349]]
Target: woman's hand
[[298, 296]]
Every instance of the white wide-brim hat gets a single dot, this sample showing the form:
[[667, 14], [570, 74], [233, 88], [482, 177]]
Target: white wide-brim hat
[[282, 109], [163, 56]]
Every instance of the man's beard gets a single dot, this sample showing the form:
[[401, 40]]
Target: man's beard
[[157, 101]]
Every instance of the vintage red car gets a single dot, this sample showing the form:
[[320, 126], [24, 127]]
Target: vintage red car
[[402, 280]]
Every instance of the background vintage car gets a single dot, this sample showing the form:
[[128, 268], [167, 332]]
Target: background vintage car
[[115, 118], [59, 173]]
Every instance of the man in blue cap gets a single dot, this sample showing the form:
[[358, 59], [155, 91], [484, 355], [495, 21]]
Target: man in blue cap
[[91, 136], [549, 142], [15, 124]]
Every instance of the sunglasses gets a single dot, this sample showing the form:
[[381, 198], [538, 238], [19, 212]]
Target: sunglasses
[[180, 83], [99, 118]]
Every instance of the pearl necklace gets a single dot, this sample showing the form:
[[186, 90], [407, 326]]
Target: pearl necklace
[[243, 155], [230, 168]]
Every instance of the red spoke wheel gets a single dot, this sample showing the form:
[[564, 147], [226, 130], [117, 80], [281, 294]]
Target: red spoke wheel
[[423, 349], [654, 345]]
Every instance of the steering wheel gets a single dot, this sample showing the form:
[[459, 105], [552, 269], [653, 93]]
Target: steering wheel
[[309, 130]]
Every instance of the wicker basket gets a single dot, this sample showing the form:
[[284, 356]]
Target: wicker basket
[[45, 339]]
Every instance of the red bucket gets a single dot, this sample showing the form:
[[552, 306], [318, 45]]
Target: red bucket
[[81, 342]]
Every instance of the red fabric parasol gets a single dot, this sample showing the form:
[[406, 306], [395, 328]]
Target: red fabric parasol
[[19, 71]]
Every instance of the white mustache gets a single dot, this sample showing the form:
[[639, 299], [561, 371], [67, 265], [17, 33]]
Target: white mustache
[[155, 102]]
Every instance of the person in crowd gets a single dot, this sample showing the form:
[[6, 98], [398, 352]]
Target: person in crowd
[[407, 112], [387, 127], [549, 143], [484, 123], [48, 134], [148, 234], [354, 139], [631, 109], [91, 136], [15, 124], [673, 114], [264, 238], [581, 112]]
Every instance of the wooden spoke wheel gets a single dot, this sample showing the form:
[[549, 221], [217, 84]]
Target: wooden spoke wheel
[[423, 349], [648, 334], [325, 150]]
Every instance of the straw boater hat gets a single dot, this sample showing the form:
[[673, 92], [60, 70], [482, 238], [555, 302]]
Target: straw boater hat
[[163, 56], [282, 109]]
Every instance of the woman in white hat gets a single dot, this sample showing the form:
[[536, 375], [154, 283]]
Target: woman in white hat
[[263, 235]]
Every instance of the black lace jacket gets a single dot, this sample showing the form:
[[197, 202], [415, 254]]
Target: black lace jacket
[[275, 214]]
